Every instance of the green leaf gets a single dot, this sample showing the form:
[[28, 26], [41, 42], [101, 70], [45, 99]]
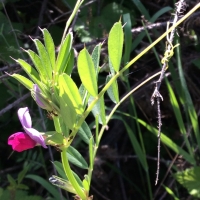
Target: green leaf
[[128, 37], [112, 91], [22, 174], [76, 158], [58, 124], [50, 47], [45, 184], [115, 45], [22, 186], [55, 94], [46, 64], [96, 57], [70, 63], [68, 113], [38, 65], [55, 137], [99, 109], [170, 192], [31, 72], [72, 97], [159, 13], [190, 179], [86, 72], [137, 147], [84, 95], [11, 180], [112, 70], [59, 168], [63, 55], [23, 80], [85, 133], [86, 185], [179, 118], [141, 8]]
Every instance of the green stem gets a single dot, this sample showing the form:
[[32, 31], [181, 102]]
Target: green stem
[[71, 177], [75, 10], [92, 156]]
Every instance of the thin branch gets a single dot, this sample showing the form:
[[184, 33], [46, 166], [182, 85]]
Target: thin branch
[[167, 55], [43, 8], [15, 103]]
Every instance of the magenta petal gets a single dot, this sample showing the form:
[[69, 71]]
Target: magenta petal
[[36, 136], [24, 117], [21, 141]]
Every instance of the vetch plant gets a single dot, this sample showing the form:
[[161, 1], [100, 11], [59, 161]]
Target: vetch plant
[[54, 90]]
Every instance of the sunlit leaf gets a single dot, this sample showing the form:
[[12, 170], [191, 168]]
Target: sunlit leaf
[[38, 65], [99, 109], [115, 45], [72, 96], [31, 72], [46, 63], [70, 63], [170, 192], [24, 81], [127, 37], [96, 57], [113, 90], [67, 112], [190, 179], [86, 185], [63, 55], [86, 72], [50, 47], [84, 95]]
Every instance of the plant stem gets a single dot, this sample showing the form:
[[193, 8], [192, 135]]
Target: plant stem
[[70, 175], [75, 10]]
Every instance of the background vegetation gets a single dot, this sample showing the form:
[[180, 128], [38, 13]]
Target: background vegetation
[[119, 172]]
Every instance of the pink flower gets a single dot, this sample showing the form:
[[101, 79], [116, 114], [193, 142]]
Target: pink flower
[[21, 141], [31, 133]]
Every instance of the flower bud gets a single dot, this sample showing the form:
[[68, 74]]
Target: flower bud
[[40, 99]]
